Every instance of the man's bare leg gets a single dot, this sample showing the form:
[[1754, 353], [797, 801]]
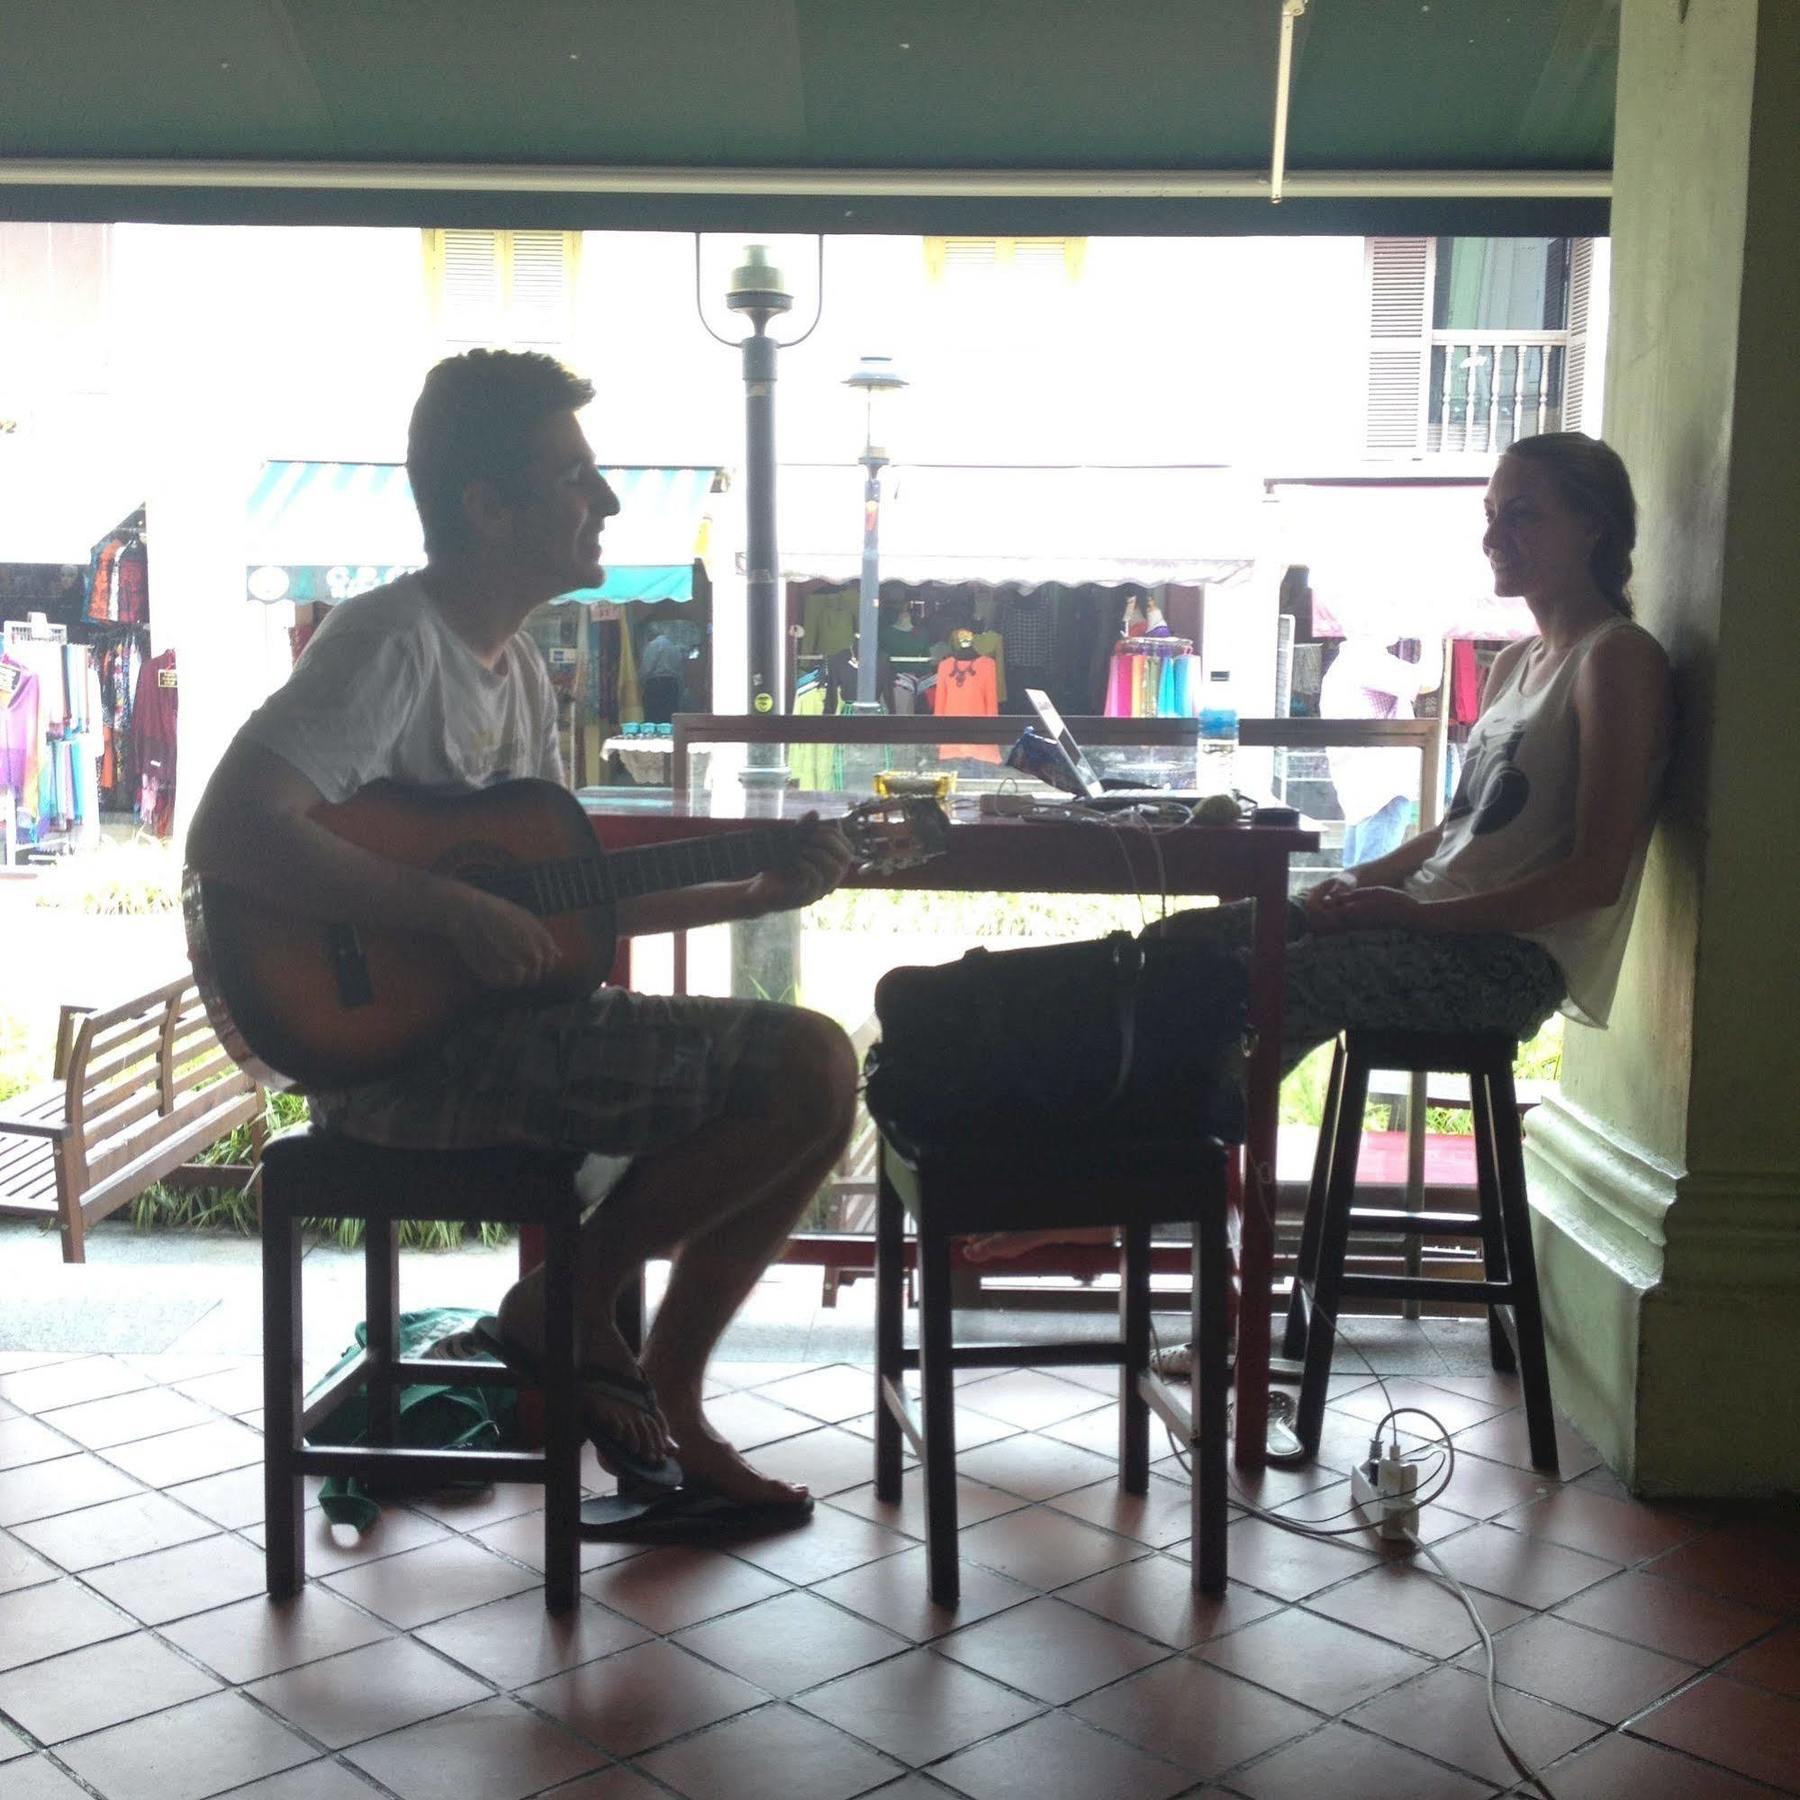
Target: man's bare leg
[[722, 1203]]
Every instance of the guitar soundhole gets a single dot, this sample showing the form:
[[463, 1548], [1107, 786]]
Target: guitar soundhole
[[349, 966]]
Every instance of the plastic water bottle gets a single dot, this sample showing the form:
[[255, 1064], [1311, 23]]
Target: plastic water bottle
[[1218, 734]]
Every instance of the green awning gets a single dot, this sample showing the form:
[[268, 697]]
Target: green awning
[[327, 530]]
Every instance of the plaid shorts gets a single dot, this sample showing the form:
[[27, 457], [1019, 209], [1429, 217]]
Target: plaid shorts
[[618, 1073]]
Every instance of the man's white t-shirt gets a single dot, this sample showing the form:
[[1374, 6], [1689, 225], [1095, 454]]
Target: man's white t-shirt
[[1366, 681], [386, 690]]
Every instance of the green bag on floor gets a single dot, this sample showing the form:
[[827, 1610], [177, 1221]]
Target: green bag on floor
[[432, 1417]]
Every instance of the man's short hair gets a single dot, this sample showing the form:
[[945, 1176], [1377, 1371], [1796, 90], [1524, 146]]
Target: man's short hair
[[474, 420]]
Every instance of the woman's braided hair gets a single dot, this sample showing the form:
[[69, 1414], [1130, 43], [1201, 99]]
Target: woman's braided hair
[[1590, 476]]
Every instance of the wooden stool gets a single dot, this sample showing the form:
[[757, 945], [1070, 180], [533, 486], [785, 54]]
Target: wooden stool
[[1509, 1286], [315, 1174], [954, 1189]]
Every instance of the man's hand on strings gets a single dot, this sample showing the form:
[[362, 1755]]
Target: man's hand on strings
[[819, 861]]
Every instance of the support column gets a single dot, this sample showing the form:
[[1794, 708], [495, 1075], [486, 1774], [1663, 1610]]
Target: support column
[[1666, 1178]]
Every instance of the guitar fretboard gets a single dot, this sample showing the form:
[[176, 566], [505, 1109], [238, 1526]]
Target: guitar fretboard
[[571, 884]]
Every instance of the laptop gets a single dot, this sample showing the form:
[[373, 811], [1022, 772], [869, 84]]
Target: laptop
[[1096, 791]]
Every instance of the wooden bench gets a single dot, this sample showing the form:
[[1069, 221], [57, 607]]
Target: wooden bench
[[143, 1087]]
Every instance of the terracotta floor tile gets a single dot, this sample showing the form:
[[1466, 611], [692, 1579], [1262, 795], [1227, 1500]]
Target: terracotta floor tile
[[24, 1440], [1617, 1767], [1667, 1617], [515, 1641], [234, 1499], [1160, 1517], [617, 1783], [1102, 1380], [643, 1697], [749, 1420], [124, 1418], [1525, 1570], [21, 1567], [1349, 1766], [1155, 1596], [1482, 1489], [1267, 1487], [1314, 1661], [418, 1586], [791, 1642], [742, 1375], [1029, 1399], [37, 1778], [496, 1749], [45, 1621], [232, 1390], [1043, 1548], [262, 1636], [1445, 1715], [1050, 1650], [775, 1754], [828, 1544], [11, 1744], [1773, 1664], [1098, 1431], [190, 1453], [1506, 1439], [1035, 1468], [105, 1533], [43, 1489], [522, 1538], [1059, 1758], [187, 1752], [1396, 1600], [1619, 1530], [975, 1502], [1745, 1728], [918, 1707], [1198, 1718], [331, 1549], [838, 1392], [13, 1361], [1757, 1565], [672, 1588], [341, 1700], [470, 1511], [826, 1460], [105, 1684], [1288, 1565], [973, 1430], [311, 1781], [69, 1383], [1578, 1669], [893, 1593], [1455, 1411], [170, 1584], [1335, 1506]]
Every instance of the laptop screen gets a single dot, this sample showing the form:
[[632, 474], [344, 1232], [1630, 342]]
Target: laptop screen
[[1052, 722]]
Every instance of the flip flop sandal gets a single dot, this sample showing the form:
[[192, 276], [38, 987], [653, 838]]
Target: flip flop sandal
[[663, 1475], [689, 1515]]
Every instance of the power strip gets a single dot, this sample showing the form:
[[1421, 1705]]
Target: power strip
[[1384, 1487]]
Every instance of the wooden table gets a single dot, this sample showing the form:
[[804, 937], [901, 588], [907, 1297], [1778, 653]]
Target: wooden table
[[1011, 856]]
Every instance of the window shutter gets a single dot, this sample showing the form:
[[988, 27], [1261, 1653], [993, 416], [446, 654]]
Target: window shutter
[[502, 288], [470, 287], [1400, 272], [1039, 256], [1581, 275], [539, 303]]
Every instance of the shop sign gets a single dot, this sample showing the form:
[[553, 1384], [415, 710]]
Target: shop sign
[[327, 582]]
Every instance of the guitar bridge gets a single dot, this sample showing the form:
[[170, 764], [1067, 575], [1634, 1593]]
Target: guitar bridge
[[349, 966]]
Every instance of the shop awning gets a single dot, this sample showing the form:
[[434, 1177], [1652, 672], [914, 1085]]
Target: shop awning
[[1398, 556], [327, 530], [1020, 525], [804, 115]]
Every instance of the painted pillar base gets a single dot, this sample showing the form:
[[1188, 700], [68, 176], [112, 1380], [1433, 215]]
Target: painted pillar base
[[1670, 1326]]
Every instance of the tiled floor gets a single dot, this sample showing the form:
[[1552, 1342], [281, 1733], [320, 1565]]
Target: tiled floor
[[1644, 1651]]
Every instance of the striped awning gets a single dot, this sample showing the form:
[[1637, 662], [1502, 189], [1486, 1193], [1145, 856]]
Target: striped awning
[[327, 530]]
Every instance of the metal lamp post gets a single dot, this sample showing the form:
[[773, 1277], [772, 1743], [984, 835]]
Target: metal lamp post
[[875, 377]]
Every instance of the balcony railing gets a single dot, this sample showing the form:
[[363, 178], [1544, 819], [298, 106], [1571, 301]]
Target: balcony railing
[[1488, 388]]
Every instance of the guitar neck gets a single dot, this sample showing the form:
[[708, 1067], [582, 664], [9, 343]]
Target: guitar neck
[[574, 883]]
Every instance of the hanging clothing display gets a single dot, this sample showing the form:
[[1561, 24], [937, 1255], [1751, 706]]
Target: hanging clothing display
[[967, 687], [118, 583], [50, 737], [1154, 678], [21, 740], [830, 622], [154, 710]]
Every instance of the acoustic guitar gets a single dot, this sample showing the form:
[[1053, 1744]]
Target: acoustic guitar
[[301, 1002]]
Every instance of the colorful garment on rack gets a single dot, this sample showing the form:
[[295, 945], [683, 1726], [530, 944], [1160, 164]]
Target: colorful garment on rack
[[154, 715], [967, 689], [830, 622], [21, 737]]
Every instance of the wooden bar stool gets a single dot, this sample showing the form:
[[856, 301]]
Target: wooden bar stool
[[315, 1174], [1322, 1288], [953, 1189]]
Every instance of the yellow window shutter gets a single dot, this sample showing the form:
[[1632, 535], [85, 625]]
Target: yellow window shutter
[[1399, 272]]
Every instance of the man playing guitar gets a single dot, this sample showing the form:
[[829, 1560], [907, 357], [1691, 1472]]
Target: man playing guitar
[[732, 1112]]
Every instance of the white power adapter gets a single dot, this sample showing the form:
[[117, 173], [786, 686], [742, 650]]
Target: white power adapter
[[1384, 1487]]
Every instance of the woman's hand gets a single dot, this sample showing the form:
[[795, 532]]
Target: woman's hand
[[1371, 909], [1321, 902]]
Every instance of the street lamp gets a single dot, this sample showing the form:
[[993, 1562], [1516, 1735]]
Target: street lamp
[[875, 377]]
